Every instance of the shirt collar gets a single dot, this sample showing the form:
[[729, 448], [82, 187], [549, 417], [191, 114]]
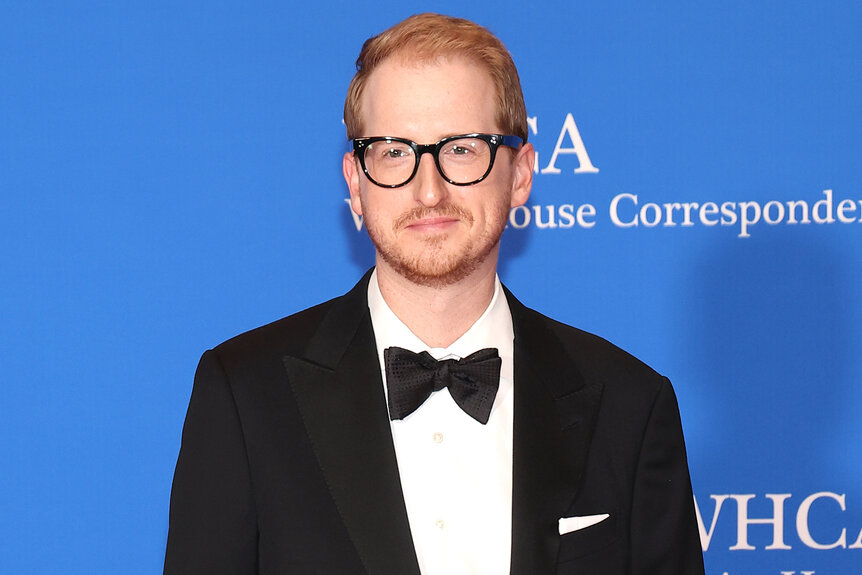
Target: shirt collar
[[492, 329]]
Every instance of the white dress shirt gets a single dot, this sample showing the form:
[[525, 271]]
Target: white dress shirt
[[456, 474]]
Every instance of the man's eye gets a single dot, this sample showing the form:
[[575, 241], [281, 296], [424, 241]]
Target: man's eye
[[460, 149], [396, 153]]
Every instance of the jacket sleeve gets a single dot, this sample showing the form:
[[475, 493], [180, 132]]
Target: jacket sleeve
[[664, 534], [213, 524]]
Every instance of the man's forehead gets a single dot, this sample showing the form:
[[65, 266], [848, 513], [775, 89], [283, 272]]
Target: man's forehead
[[428, 99], [432, 82]]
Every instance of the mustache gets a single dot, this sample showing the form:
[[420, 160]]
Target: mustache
[[422, 212]]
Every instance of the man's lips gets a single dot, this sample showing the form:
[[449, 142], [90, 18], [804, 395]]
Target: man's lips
[[433, 219], [432, 223]]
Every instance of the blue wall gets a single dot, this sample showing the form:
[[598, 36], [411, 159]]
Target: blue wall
[[170, 176]]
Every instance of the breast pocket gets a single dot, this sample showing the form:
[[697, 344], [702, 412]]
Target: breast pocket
[[592, 539]]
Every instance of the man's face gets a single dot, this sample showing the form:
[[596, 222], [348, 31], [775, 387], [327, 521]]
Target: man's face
[[429, 231]]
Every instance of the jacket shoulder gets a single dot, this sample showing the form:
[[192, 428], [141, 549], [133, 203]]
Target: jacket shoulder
[[597, 359], [286, 336]]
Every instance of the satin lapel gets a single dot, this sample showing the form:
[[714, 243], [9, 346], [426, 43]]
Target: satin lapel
[[555, 410], [340, 395]]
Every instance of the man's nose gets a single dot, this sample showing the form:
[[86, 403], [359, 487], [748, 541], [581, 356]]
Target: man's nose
[[430, 187]]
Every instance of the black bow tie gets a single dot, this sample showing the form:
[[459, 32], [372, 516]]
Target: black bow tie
[[412, 377]]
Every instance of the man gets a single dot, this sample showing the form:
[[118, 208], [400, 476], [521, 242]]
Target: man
[[328, 442]]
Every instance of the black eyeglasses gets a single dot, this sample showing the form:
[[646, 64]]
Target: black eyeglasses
[[461, 160]]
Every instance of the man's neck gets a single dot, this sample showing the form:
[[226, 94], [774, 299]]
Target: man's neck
[[438, 315]]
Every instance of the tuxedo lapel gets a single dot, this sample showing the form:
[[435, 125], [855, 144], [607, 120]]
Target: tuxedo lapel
[[339, 391], [555, 410]]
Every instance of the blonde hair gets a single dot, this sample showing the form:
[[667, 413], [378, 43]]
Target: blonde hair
[[429, 37]]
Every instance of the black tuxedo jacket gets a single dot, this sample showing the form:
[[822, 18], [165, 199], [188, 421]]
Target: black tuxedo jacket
[[287, 464]]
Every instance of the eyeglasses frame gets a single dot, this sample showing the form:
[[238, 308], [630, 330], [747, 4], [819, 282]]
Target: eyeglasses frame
[[494, 141]]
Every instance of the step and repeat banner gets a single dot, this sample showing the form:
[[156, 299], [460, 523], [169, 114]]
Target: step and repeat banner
[[170, 176]]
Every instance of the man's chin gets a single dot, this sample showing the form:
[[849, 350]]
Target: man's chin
[[434, 269]]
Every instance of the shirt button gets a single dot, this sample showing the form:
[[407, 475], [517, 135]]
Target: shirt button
[[437, 437], [439, 524]]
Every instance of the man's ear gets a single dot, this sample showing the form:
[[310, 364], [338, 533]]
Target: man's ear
[[522, 180], [351, 176]]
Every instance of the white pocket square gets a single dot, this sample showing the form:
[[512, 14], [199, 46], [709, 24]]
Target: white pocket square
[[569, 524]]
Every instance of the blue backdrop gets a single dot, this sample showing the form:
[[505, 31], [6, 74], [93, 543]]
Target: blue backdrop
[[170, 176]]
